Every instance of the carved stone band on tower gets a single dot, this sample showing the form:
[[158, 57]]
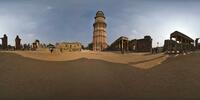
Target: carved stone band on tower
[[99, 33]]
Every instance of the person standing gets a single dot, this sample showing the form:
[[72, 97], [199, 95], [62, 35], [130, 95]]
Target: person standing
[[51, 50], [61, 50]]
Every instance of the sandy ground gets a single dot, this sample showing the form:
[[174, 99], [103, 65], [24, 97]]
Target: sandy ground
[[23, 78], [139, 60]]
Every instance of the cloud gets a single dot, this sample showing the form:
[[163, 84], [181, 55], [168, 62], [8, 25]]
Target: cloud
[[49, 8]]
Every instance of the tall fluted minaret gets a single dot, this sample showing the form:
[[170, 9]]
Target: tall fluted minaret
[[99, 33]]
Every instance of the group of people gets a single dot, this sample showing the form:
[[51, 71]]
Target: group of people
[[155, 50]]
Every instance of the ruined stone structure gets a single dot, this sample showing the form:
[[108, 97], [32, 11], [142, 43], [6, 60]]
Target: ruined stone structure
[[121, 44], [34, 46], [69, 46], [197, 44], [141, 45], [37, 43], [17, 43], [179, 43], [135, 45], [4, 42], [26, 47], [170, 43], [99, 33]]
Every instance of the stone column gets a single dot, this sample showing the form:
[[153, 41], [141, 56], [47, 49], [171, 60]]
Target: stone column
[[17, 43], [4, 42]]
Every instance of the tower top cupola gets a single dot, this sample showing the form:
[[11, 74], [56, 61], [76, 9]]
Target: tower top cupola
[[100, 14]]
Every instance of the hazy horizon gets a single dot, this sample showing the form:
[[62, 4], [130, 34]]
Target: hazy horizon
[[53, 21]]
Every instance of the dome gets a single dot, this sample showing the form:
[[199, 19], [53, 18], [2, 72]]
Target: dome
[[17, 37], [5, 35], [100, 14]]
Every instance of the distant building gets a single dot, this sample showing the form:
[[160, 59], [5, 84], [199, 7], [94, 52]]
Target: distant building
[[26, 47], [99, 33], [34, 46], [135, 45], [121, 44], [18, 43], [171, 44], [4, 42], [141, 45], [37, 45], [197, 44], [69, 46], [179, 42]]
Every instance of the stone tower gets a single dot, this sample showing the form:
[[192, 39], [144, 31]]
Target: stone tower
[[17, 43], [4, 42], [99, 33]]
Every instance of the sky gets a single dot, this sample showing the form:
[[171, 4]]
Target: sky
[[52, 21]]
